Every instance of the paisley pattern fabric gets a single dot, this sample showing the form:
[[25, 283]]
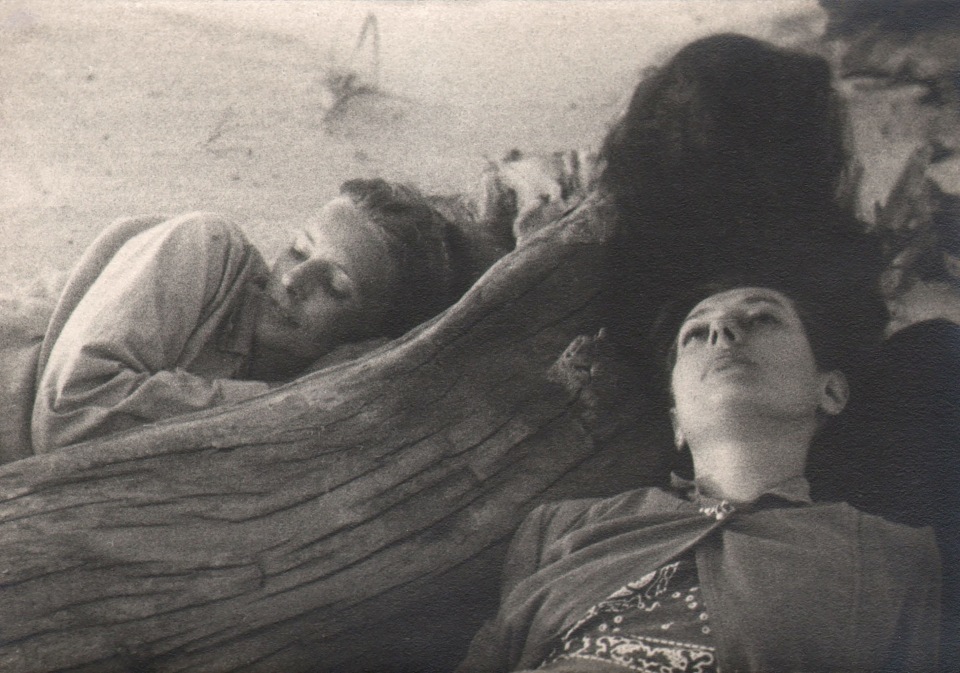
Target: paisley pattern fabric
[[658, 624]]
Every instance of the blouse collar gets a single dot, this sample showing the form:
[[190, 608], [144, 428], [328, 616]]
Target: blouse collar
[[795, 490]]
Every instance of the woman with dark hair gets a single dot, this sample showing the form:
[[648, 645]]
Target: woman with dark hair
[[164, 316], [720, 155], [734, 156], [736, 569]]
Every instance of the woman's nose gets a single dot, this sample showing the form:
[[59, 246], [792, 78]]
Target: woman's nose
[[723, 332], [295, 280]]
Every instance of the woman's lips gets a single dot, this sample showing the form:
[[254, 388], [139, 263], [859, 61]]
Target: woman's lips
[[727, 361], [280, 310]]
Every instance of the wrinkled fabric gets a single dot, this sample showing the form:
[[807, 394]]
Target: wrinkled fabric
[[18, 369], [797, 587], [156, 321]]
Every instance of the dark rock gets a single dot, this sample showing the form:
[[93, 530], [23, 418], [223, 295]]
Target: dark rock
[[929, 56], [847, 17]]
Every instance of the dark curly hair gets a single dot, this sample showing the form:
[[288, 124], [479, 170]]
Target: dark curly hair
[[722, 155], [419, 241], [729, 121]]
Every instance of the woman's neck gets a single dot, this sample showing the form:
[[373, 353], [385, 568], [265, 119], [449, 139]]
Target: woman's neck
[[741, 468], [272, 365]]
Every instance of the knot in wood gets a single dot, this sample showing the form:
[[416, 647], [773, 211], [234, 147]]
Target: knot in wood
[[578, 368]]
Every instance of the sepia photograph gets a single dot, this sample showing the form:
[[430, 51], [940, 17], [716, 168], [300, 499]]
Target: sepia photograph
[[479, 336]]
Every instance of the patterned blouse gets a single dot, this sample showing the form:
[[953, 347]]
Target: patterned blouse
[[658, 624]]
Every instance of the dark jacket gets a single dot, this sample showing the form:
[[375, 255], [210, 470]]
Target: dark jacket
[[790, 586]]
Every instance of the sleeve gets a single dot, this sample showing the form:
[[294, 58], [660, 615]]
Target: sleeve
[[18, 364], [114, 364], [906, 566], [500, 642], [493, 648]]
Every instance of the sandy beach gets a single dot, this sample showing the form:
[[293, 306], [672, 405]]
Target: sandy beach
[[117, 108]]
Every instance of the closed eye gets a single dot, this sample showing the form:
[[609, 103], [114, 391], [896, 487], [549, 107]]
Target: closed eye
[[298, 254], [337, 284], [764, 318], [694, 333]]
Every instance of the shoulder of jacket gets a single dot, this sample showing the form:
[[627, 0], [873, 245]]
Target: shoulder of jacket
[[898, 534], [206, 225], [566, 513], [560, 510], [891, 549]]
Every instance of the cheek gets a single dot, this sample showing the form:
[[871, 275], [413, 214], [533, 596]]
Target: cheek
[[282, 264], [802, 364], [329, 323], [318, 319], [681, 382]]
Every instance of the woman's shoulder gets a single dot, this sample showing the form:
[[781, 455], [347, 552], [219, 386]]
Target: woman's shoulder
[[878, 532], [181, 239], [201, 226], [563, 515], [194, 241], [875, 536]]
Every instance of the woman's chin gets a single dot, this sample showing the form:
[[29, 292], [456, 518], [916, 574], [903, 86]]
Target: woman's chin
[[281, 345]]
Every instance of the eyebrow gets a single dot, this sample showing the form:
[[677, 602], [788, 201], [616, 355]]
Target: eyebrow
[[750, 299], [330, 261]]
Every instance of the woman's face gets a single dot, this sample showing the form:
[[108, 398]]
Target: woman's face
[[745, 351], [329, 287]]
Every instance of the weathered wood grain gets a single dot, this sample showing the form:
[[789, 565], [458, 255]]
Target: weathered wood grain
[[353, 520]]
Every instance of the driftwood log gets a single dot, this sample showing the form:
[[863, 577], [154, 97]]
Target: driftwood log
[[352, 520]]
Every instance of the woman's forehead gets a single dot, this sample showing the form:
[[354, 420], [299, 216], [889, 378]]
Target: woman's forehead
[[340, 212], [345, 234], [741, 297], [341, 223]]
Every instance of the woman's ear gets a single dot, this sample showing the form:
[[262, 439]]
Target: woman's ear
[[678, 439], [834, 393]]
